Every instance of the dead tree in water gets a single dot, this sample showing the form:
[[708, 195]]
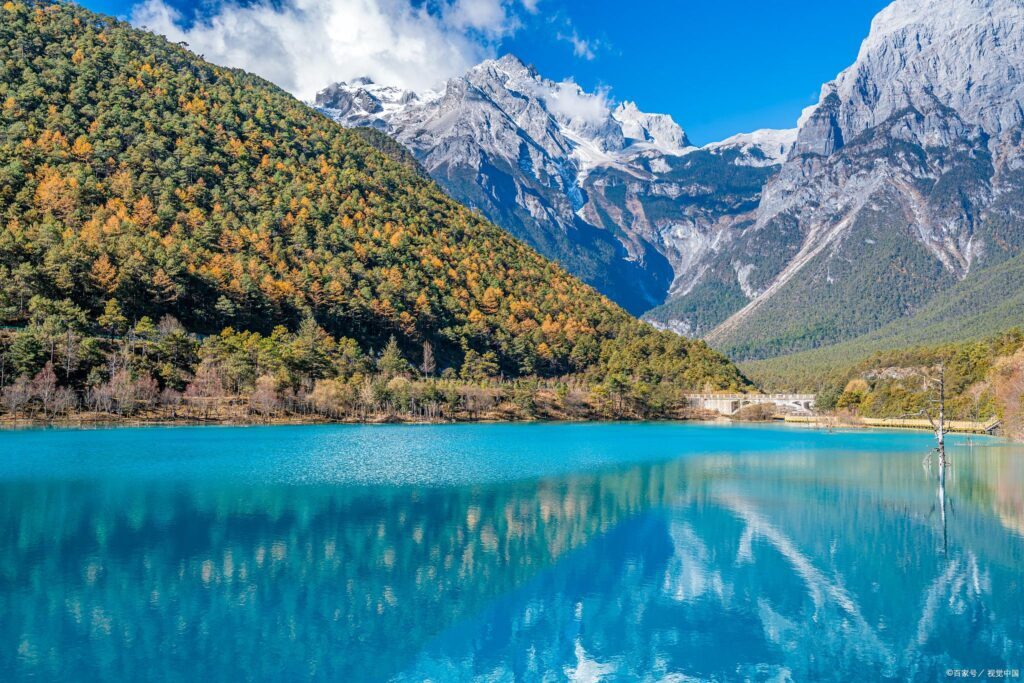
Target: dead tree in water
[[939, 382], [935, 380]]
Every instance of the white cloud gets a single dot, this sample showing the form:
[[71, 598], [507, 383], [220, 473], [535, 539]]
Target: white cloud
[[571, 101], [304, 45], [489, 17], [581, 47]]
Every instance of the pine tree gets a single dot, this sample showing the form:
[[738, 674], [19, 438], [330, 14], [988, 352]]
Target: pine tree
[[391, 361], [225, 308]]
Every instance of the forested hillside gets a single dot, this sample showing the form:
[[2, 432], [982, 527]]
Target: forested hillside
[[140, 183], [983, 379]]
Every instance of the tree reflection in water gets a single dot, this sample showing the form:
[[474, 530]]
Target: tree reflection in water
[[806, 566]]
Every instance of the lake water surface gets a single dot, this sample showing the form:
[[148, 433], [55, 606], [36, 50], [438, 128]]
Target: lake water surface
[[589, 552]]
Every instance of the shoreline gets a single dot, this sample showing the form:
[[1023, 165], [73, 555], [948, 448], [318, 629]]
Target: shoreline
[[821, 422], [8, 423]]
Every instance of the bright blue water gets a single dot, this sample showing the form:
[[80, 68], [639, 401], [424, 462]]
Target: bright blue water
[[506, 552]]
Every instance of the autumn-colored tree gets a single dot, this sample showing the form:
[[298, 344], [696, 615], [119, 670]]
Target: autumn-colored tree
[[104, 274]]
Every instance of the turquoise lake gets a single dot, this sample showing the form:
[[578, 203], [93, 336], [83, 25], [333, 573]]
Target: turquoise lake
[[527, 552]]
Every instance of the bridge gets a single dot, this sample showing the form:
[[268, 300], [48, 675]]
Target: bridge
[[730, 404]]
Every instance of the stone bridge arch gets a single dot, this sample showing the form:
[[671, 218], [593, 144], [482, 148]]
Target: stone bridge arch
[[730, 404]]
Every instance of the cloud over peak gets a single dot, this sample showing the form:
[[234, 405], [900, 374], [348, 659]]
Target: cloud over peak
[[302, 45]]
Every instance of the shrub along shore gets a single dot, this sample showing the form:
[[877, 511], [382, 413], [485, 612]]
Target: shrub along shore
[[430, 402], [150, 372]]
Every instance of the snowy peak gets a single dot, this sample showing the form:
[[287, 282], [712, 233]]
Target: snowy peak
[[363, 102], [657, 130], [536, 103], [765, 147], [505, 69], [527, 151], [558, 116]]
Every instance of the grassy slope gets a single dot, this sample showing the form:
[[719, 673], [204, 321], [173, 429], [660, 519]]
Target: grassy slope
[[985, 303]]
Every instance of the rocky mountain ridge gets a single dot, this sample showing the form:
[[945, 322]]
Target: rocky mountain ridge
[[902, 182], [539, 157], [904, 179]]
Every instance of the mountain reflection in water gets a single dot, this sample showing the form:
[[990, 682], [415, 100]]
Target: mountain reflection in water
[[816, 564]]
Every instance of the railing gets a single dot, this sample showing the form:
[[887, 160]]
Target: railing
[[965, 426], [917, 423], [752, 397]]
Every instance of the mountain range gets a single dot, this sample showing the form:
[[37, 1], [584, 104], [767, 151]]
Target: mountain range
[[898, 192], [614, 194]]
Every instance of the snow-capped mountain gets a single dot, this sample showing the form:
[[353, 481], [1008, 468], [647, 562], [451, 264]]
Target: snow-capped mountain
[[905, 180], [565, 169], [765, 147], [903, 183], [365, 101], [559, 117]]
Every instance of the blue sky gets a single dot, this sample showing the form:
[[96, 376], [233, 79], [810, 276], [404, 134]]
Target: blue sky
[[719, 67]]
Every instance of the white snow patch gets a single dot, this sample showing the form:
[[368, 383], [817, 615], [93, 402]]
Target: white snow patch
[[659, 165], [773, 145]]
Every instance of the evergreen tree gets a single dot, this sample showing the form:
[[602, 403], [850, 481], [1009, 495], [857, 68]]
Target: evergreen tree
[[391, 361], [112, 320]]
